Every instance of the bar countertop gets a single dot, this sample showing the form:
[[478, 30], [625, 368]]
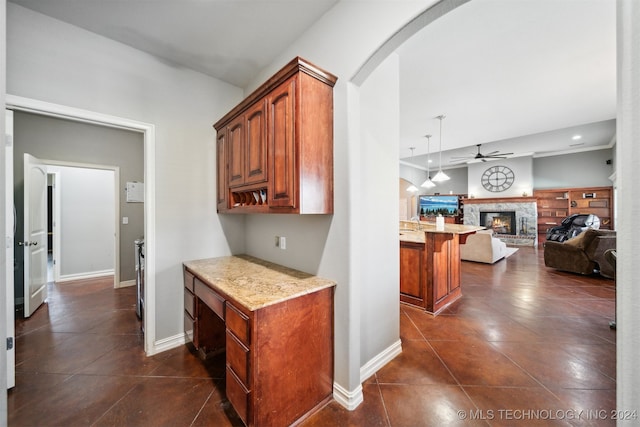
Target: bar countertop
[[410, 233], [253, 282]]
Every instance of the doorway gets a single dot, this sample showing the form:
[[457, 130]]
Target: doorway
[[146, 168], [82, 221]]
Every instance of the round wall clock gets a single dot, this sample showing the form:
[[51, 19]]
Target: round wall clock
[[497, 178]]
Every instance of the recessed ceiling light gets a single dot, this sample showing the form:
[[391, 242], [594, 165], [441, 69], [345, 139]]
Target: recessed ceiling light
[[576, 137]]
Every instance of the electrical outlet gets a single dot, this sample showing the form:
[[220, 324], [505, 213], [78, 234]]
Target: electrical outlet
[[283, 242]]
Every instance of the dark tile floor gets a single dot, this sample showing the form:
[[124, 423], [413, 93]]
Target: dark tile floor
[[525, 346]]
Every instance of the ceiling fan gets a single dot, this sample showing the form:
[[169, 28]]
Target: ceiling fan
[[479, 156]]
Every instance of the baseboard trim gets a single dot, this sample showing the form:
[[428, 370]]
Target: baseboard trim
[[381, 359], [351, 399], [168, 343], [83, 276], [348, 399], [126, 284]]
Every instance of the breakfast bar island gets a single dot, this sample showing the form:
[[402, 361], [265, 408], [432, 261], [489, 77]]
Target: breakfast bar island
[[430, 263]]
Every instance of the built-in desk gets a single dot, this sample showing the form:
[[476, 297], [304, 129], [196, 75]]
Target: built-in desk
[[276, 326]]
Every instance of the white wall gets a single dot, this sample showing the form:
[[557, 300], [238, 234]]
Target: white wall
[[378, 247], [51, 61], [86, 229]]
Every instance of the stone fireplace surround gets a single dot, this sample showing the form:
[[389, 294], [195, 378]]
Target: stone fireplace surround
[[526, 211]]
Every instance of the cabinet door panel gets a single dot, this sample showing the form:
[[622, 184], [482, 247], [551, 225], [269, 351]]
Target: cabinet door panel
[[411, 281], [221, 176], [256, 148], [282, 187], [236, 146]]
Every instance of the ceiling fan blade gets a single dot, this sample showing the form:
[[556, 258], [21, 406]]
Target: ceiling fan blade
[[501, 155], [491, 153]]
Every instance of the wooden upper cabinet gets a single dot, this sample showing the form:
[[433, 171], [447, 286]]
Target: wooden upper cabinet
[[279, 145]]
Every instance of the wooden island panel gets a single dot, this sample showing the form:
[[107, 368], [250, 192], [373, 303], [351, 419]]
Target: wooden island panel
[[430, 264]]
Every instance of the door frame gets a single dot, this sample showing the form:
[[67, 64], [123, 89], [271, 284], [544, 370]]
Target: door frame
[[57, 215], [10, 224], [34, 106]]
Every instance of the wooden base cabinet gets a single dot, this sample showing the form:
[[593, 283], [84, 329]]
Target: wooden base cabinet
[[279, 358], [275, 148]]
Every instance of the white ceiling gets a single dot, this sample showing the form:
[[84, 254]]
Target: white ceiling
[[528, 74]]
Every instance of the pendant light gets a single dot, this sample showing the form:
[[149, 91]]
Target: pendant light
[[428, 183], [412, 188], [440, 176]]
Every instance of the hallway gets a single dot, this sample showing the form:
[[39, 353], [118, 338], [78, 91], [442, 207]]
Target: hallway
[[524, 341]]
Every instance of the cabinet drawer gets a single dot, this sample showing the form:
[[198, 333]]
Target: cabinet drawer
[[238, 358], [188, 280], [238, 395], [189, 303], [238, 323], [213, 300], [189, 325]]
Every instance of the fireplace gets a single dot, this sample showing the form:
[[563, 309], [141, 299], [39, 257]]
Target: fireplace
[[522, 213], [501, 222]]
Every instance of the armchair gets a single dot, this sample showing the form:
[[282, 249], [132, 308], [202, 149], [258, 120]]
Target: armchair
[[583, 254], [483, 247]]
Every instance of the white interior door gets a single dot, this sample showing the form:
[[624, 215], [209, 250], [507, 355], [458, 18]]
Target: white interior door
[[35, 234], [10, 233]]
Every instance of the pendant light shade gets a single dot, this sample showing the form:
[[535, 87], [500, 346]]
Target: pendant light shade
[[412, 188], [428, 183], [440, 176]]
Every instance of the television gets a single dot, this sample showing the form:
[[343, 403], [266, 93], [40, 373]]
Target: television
[[438, 205]]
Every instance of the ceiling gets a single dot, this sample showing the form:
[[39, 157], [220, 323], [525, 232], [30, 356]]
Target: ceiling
[[516, 76]]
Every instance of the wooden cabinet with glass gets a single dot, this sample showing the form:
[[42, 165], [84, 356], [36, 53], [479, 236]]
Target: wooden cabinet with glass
[[277, 154], [556, 204]]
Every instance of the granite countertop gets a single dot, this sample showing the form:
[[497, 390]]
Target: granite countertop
[[409, 233], [253, 282]]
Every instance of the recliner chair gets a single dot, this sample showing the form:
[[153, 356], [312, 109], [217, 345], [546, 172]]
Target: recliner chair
[[583, 254], [571, 226]]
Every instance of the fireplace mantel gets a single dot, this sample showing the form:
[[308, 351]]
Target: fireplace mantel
[[471, 201]]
